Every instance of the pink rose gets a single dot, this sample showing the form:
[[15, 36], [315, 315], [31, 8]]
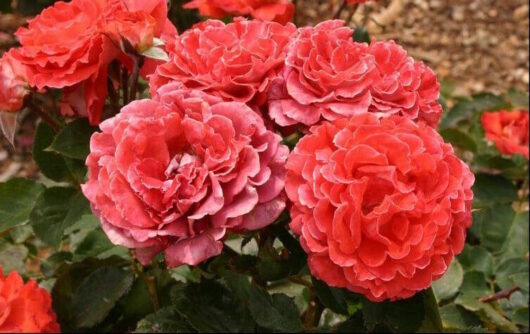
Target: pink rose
[[236, 61], [176, 174], [327, 75], [404, 86], [13, 83]]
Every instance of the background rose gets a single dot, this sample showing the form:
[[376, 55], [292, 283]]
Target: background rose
[[236, 61], [508, 130], [326, 75], [404, 86], [13, 83], [381, 205], [25, 307], [178, 173], [281, 11], [78, 49]]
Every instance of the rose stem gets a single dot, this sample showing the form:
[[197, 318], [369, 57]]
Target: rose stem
[[341, 8], [134, 79], [125, 85], [500, 295], [45, 117]]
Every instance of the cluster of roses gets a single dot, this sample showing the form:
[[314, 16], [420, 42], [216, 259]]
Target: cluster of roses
[[380, 202]]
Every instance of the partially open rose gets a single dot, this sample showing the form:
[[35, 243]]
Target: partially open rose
[[13, 83], [381, 205], [508, 130], [281, 11], [176, 174]]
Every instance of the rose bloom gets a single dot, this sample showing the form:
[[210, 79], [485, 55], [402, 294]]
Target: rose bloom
[[404, 86], [177, 174], [13, 83], [25, 307], [326, 75], [236, 61], [281, 11], [68, 46], [381, 204], [508, 130]]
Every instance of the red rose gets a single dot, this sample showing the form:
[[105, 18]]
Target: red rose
[[25, 307], [178, 173], [508, 130], [68, 46], [13, 83], [381, 205], [326, 75], [281, 11], [404, 86], [236, 61]]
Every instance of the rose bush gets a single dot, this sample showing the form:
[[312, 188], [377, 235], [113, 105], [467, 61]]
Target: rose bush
[[381, 205], [25, 307], [508, 130], [212, 167]]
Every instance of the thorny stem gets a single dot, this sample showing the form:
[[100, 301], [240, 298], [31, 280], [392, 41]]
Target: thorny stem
[[301, 281], [500, 295], [151, 287], [341, 8]]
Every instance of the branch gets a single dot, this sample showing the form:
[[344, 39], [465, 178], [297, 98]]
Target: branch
[[134, 79], [45, 117], [500, 295]]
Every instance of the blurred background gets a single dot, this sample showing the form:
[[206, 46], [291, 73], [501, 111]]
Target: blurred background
[[473, 46]]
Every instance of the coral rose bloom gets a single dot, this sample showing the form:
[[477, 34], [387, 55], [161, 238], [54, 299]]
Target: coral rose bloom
[[381, 205], [326, 75], [13, 83], [178, 173], [508, 130], [26, 307], [68, 46], [281, 11], [404, 86], [236, 61]]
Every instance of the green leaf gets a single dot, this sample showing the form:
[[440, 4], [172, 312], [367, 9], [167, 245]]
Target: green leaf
[[137, 303], [74, 139], [455, 317], [354, 324], [492, 225], [361, 35], [518, 99], [476, 258], [69, 279], [277, 312], [508, 273], [156, 53], [520, 316], [400, 316], [12, 257], [459, 138], [165, 320], [96, 243], [330, 297], [465, 108], [17, 197], [97, 295], [447, 286], [516, 243], [51, 164], [210, 307], [55, 209], [474, 285], [492, 190]]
